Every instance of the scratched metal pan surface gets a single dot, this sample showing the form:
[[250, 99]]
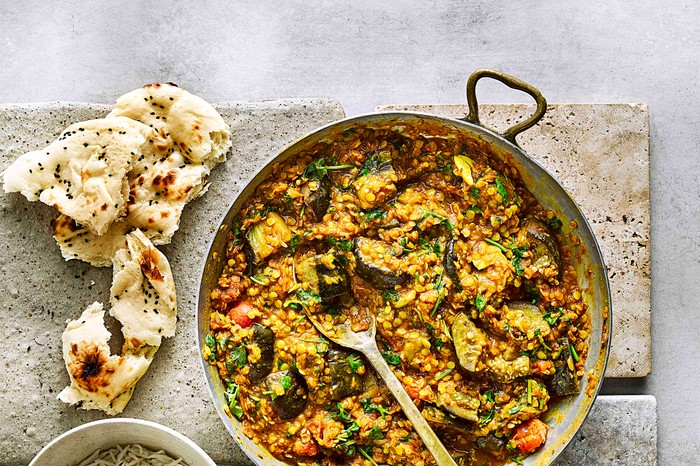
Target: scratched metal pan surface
[[563, 417]]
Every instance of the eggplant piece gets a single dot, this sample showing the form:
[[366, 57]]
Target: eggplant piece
[[505, 371], [459, 404], [527, 323], [469, 342], [325, 275], [289, 393], [543, 245], [343, 381], [449, 265], [263, 338], [490, 443], [441, 420], [376, 180], [318, 200], [378, 276], [564, 381], [266, 237]]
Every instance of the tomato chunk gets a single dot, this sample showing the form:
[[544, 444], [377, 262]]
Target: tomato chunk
[[529, 436], [241, 312]]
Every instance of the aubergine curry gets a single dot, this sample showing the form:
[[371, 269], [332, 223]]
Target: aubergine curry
[[478, 307]]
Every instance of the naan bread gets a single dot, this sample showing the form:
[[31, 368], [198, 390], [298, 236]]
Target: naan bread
[[143, 293], [78, 242], [184, 122], [190, 138], [99, 380], [83, 173]]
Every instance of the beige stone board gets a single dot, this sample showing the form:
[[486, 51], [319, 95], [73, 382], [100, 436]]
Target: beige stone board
[[600, 154]]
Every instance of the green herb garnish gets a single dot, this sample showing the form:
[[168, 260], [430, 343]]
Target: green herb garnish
[[391, 357], [487, 418], [211, 344], [553, 314], [232, 390], [480, 303], [319, 168], [375, 433], [502, 190], [574, 354], [341, 244], [367, 455], [355, 362], [444, 374], [239, 356], [390, 295], [497, 244], [374, 214]]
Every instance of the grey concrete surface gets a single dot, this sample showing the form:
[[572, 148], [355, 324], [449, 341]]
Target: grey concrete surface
[[368, 53], [39, 291]]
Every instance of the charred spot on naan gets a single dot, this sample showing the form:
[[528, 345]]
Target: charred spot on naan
[[90, 367], [149, 265]]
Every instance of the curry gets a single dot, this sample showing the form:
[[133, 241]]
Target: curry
[[478, 306]]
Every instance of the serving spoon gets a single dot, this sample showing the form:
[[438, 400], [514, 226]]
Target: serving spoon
[[365, 343]]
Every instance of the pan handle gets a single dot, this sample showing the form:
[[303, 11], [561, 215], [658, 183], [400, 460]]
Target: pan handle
[[513, 83]]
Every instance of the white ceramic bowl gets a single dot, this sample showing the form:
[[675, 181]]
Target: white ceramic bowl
[[72, 447]]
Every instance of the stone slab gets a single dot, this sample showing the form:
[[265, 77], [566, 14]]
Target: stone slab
[[39, 291], [619, 431], [600, 154]]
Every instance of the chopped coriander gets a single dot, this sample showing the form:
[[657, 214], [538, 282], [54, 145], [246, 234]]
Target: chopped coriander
[[355, 362], [574, 354], [232, 390], [343, 415], [554, 224], [294, 242], [298, 320], [437, 304], [260, 279], [391, 357], [342, 244], [497, 244], [286, 382], [211, 344], [553, 314], [374, 214], [375, 433], [502, 190], [390, 295], [438, 343], [429, 213], [488, 417], [319, 168], [322, 346], [367, 455], [239, 356], [474, 192], [480, 303]]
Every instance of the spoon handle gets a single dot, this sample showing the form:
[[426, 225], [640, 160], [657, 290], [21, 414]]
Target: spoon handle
[[430, 440]]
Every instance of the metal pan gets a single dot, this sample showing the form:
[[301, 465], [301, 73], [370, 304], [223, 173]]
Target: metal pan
[[566, 415]]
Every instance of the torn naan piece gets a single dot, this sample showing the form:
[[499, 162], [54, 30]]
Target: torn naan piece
[[143, 294], [77, 242], [190, 138], [83, 174], [184, 122], [98, 380]]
